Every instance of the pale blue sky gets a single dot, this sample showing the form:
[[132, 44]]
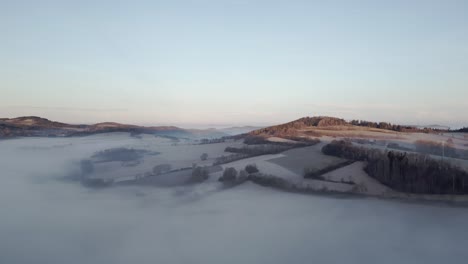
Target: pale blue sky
[[220, 62]]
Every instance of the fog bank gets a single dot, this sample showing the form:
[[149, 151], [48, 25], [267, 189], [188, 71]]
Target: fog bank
[[46, 219]]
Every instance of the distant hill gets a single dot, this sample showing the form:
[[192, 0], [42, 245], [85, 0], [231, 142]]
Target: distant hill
[[232, 131], [314, 126], [33, 126], [291, 128]]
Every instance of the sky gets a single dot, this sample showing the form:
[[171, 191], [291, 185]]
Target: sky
[[217, 62]]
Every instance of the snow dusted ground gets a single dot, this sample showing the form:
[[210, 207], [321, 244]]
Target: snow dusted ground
[[296, 160], [264, 166], [355, 173], [288, 165]]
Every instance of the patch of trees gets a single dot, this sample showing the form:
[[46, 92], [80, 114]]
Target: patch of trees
[[271, 181], [229, 175], [255, 140], [345, 149], [251, 168], [412, 173], [393, 127], [381, 125], [258, 150], [462, 130], [231, 158], [204, 141], [317, 174], [119, 154], [199, 174]]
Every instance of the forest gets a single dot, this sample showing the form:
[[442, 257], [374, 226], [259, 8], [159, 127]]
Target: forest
[[405, 172]]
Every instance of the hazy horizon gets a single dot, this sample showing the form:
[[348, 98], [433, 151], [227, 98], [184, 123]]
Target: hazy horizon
[[235, 63], [226, 125]]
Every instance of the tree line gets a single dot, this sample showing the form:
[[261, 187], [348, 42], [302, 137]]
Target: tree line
[[405, 172], [394, 127]]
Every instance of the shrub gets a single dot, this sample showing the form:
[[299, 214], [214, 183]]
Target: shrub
[[251, 168], [229, 175], [204, 156], [199, 174]]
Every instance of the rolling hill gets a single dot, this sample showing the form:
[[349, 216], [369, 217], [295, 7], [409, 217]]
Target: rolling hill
[[33, 126]]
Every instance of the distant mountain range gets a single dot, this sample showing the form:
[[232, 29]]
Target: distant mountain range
[[33, 126]]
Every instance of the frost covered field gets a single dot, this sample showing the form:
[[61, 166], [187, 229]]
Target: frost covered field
[[46, 219]]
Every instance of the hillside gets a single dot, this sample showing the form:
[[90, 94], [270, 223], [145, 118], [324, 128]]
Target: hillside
[[293, 128], [33, 126], [332, 126]]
